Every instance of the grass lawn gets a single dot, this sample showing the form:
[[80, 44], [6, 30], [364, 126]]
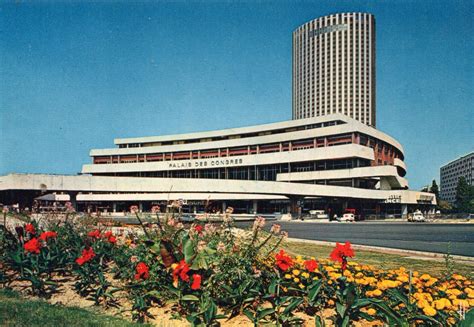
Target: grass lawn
[[382, 260], [17, 311]]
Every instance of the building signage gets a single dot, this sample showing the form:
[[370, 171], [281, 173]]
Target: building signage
[[328, 29], [206, 163], [394, 199], [424, 198]]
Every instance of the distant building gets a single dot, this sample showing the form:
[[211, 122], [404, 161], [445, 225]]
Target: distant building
[[334, 67], [450, 174]]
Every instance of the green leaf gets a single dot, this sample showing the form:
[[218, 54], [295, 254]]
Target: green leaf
[[319, 322], [293, 304], [155, 248], [469, 319], [314, 290], [188, 249], [210, 313], [190, 297], [250, 315], [265, 312], [341, 309], [272, 287]]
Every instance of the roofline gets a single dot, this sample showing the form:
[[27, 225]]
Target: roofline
[[233, 130], [459, 158]]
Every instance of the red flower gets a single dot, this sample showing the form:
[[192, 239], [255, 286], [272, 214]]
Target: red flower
[[198, 228], [94, 234], [311, 265], [32, 246], [142, 271], [196, 282], [30, 229], [110, 237], [181, 271], [283, 260], [86, 256], [341, 252], [48, 234]]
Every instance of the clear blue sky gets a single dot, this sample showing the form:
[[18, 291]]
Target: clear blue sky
[[75, 76]]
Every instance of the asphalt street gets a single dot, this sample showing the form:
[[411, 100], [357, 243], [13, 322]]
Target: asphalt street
[[428, 237]]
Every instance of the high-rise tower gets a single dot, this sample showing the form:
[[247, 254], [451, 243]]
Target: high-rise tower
[[334, 67]]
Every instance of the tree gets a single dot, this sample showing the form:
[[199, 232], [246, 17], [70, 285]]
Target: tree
[[445, 206], [464, 196], [435, 190]]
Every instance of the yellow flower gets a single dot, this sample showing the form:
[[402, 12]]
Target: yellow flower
[[305, 275], [425, 277], [442, 304], [371, 311], [296, 272], [296, 280], [458, 277], [377, 292], [287, 276], [301, 286], [334, 275], [403, 278], [429, 311], [431, 281], [454, 291], [422, 303]]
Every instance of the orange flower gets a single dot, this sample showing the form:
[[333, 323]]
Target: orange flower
[[180, 272], [32, 246], [86, 256], [30, 229], [283, 260], [311, 265], [341, 252], [47, 235], [94, 234], [143, 272], [196, 282]]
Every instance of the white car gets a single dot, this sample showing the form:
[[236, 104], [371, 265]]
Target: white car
[[347, 217], [417, 216]]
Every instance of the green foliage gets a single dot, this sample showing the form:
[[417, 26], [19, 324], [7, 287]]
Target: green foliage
[[449, 264], [435, 190], [464, 196], [16, 311]]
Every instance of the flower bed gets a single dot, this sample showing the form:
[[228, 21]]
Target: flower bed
[[209, 273]]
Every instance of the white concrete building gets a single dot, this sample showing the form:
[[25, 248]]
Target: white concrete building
[[450, 174], [331, 163], [334, 67]]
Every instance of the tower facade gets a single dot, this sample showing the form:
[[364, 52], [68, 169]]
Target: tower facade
[[334, 67]]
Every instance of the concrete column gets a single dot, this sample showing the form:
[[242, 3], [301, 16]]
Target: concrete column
[[404, 211], [254, 206], [224, 206], [114, 207], [73, 199], [140, 206]]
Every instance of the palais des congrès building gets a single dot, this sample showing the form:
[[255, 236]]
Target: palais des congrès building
[[329, 157]]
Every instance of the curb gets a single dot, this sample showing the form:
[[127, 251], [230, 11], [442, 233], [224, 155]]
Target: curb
[[432, 255]]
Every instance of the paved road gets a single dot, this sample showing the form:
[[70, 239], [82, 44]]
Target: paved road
[[429, 237]]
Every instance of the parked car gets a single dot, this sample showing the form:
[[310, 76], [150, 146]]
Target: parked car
[[417, 216], [318, 214], [347, 217]]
